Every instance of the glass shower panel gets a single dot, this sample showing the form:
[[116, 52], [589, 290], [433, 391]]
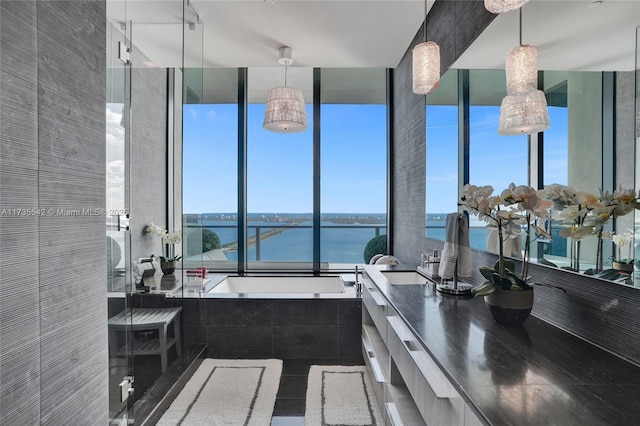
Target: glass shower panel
[[119, 280]]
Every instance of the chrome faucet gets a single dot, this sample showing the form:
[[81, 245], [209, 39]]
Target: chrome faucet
[[357, 284]]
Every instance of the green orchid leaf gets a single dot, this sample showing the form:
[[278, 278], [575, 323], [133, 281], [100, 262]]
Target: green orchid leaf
[[487, 272], [500, 282], [508, 264], [484, 289], [518, 282]]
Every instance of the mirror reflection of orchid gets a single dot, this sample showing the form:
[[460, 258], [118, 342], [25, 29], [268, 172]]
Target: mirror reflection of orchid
[[622, 240], [586, 214], [169, 240], [519, 205]]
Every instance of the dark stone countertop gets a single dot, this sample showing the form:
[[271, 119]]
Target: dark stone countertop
[[534, 374]]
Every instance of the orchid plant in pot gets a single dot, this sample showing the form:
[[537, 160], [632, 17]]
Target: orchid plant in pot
[[506, 293], [169, 259], [620, 263]]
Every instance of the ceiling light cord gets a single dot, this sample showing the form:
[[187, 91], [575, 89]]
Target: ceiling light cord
[[520, 27], [425, 21], [285, 75]]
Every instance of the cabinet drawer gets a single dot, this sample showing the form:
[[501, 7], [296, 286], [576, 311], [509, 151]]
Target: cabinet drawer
[[376, 306], [374, 370], [436, 379], [435, 397]]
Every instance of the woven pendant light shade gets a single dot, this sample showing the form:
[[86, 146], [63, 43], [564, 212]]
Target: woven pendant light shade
[[501, 6], [426, 67], [523, 113], [522, 69], [285, 111]]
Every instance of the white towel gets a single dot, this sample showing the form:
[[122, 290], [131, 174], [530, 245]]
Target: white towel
[[456, 248]]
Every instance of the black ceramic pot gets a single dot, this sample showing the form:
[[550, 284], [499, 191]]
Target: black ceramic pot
[[168, 267], [510, 307]]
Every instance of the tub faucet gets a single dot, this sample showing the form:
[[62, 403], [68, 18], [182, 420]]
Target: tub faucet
[[357, 284]]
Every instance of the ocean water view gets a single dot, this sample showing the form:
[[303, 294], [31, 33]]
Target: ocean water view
[[289, 237]]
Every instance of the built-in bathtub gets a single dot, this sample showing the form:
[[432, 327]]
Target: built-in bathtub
[[280, 285], [284, 317]]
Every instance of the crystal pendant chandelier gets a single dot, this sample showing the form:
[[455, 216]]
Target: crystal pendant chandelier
[[426, 64], [523, 113], [285, 109], [501, 6], [522, 69], [524, 109]]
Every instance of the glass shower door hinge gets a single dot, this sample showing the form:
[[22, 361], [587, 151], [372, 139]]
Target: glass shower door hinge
[[124, 53], [123, 222], [126, 388]]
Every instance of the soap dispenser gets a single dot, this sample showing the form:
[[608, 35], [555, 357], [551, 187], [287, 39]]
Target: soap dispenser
[[433, 264]]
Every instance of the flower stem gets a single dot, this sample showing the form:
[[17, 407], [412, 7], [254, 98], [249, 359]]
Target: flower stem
[[527, 250], [599, 263], [501, 258]]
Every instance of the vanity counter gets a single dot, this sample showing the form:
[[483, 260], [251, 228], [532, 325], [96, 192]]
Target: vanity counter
[[535, 374]]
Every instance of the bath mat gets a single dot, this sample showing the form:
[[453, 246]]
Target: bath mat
[[230, 392], [341, 395]]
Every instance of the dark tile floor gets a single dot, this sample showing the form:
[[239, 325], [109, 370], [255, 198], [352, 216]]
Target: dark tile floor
[[291, 398]]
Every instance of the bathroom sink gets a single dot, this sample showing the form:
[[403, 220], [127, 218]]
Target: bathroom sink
[[405, 277]]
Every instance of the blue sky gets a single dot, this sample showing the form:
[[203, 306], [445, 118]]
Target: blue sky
[[280, 166], [353, 158]]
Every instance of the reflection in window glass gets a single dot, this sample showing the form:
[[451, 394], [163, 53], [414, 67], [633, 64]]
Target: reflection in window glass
[[494, 159], [556, 137], [573, 148], [353, 178], [210, 152], [279, 179], [442, 155], [556, 145]]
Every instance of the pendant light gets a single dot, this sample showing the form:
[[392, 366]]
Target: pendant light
[[523, 114], [426, 64], [524, 109], [285, 109], [501, 6], [521, 69]]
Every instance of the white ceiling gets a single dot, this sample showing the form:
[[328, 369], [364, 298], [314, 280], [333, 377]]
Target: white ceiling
[[570, 35], [248, 33]]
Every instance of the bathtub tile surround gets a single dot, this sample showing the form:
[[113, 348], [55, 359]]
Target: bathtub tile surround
[[247, 313], [278, 328], [290, 342], [239, 342]]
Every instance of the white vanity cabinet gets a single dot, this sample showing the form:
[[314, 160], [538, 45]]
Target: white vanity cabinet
[[408, 383]]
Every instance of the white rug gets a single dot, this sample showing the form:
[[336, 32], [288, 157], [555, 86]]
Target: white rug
[[229, 392], [341, 395]]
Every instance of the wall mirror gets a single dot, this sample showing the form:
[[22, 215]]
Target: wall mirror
[[587, 62]]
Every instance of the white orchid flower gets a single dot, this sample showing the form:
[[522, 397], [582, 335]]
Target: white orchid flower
[[576, 232]]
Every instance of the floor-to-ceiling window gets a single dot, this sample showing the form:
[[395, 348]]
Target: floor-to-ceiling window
[[442, 155], [275, 192], [210, 172], [279, 178], [353, 163], [494, 159]]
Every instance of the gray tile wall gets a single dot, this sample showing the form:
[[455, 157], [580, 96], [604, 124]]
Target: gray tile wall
[[19, 269], [604, 313], [53, 337]]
